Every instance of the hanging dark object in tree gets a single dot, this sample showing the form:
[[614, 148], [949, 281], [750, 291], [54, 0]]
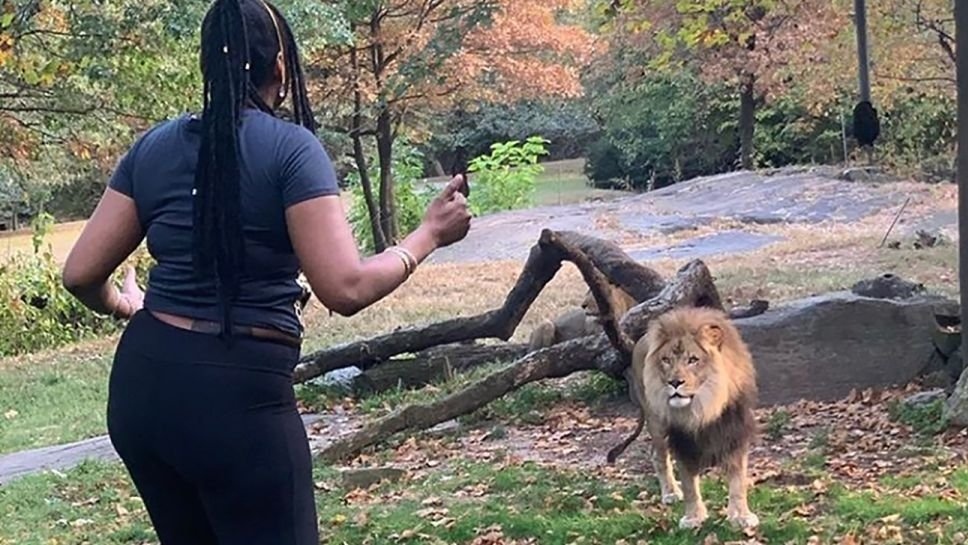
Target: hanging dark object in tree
[[866, 125]]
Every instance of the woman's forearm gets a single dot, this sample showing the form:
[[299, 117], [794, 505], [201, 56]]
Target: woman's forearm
[[104, 298], [379, 275]]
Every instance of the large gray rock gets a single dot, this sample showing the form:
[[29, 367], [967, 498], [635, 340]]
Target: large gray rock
[[956, 410], [822, 347]]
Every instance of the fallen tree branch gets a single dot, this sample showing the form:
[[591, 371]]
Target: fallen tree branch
[[541, 267], [598, 283], [434, 364], [543, 263], [692, 286], [556, 361]]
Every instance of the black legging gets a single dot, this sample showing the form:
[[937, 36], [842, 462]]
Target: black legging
[[211, 436]]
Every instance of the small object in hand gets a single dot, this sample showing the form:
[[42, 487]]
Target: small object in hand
[[460, 169]]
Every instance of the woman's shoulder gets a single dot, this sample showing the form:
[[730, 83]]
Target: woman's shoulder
[[285, 131]]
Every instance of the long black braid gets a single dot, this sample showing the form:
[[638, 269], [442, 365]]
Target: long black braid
[[240, 46]]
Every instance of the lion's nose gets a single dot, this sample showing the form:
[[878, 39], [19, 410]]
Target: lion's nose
[[675, 383]]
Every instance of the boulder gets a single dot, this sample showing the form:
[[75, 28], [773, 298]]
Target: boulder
[[887, 286], [925, 398], [823, 347]]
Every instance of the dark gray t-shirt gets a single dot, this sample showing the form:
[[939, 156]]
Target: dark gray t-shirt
[[282, 164]]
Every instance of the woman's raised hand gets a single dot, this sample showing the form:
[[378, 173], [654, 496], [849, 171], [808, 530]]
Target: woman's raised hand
[[448, 217]]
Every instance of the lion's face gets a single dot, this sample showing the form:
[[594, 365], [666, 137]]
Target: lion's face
[[693, 363], [684, 367]]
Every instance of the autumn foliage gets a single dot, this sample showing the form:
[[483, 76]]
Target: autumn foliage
[[405, 61]]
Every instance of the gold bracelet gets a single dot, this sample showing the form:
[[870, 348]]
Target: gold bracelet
[[410, 256], [403, 258]]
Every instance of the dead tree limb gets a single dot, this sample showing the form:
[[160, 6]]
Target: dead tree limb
[[543, 263], [557, 361], [434, 364], [598, 283], [692, 286], [541, 267]]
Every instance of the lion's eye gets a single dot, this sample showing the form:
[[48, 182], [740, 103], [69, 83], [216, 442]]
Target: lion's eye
[[665, 361], [693, 360]]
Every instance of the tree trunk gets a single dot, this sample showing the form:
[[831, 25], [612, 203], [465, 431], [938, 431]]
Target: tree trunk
[[384, 147], [384, 131], [359, 156], [957, 407], [747, 120]]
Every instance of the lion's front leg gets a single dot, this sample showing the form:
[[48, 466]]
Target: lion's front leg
[[662, 462], [695, 508], [738, 510]]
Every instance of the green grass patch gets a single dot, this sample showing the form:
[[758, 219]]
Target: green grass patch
[[96, 503], [926, 419], [53, 401], [527, 404], [777, 424], [93, 503], [554, 188]]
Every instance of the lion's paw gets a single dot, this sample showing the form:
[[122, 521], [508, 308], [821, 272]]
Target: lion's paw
[[671, 494], [691, 522], [744, 520]]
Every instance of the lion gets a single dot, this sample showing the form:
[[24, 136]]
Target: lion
[[695, 383], [578, 323]]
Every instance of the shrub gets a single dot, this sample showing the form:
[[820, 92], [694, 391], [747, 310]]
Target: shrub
[[505, 179], [664, 129], [36, 312], [603, 166], [410, 203]]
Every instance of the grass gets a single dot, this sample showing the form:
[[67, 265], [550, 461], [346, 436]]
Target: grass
[[527, 404], [96, 503], [53, 398], [567, 188], [927, 419]]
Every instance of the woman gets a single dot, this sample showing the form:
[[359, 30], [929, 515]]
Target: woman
[[234, 203]]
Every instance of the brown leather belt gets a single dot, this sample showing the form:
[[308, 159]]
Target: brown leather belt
[[214, 328]]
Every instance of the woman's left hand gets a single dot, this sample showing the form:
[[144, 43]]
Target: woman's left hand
[[131, 293]]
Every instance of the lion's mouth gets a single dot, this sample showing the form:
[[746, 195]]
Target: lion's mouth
[[678, 400]]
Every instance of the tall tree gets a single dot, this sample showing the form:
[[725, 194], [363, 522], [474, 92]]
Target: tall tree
[[79, 79], [759, 47], [404, 61]]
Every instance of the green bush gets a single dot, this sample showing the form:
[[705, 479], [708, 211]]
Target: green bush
[[410, 203], [664, 129], [36, 312], [918, 134], [505, 179], [604, 165], [567, 125], [788, 134]]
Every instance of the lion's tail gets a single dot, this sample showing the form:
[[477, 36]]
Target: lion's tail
[[617, 450]]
